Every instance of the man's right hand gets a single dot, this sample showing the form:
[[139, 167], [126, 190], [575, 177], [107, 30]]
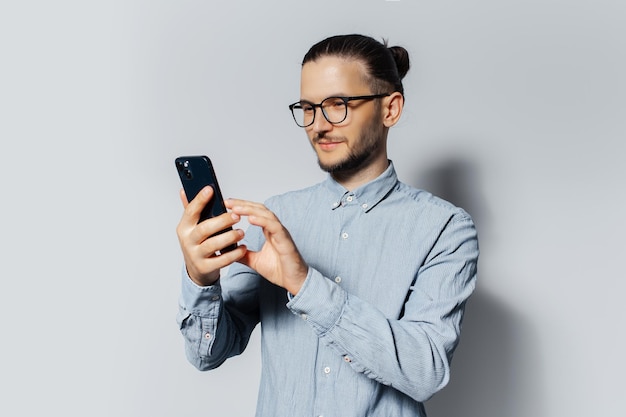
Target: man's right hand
[[199, 249]]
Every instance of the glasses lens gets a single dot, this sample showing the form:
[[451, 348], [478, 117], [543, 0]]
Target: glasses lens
[[303, 113], [335, 109]]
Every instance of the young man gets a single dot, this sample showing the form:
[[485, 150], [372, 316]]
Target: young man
[[359, 282]]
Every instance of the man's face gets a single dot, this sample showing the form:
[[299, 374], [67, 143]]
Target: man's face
[[355, 143]]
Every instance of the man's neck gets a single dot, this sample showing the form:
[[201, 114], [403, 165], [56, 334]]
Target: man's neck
[[353, 180]]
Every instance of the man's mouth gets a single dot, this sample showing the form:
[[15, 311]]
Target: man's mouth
[[327, 144]]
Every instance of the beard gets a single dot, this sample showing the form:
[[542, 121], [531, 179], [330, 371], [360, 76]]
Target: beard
[[366, 149]]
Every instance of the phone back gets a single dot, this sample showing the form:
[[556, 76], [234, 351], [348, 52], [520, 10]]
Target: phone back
[[196, 172]]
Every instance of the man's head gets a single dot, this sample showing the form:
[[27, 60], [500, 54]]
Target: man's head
[[356, 84], [384, 66]]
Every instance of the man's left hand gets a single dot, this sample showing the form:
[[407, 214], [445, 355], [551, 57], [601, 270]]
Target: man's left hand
[[279, 260]]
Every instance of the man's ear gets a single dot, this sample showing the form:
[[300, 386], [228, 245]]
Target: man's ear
[[392, 108]]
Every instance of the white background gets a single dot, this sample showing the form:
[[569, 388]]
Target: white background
[[515, 110]]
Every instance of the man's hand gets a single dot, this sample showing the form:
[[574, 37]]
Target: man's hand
[[203, 265], [278, 260]]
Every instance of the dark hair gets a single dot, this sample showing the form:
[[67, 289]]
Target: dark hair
[[386, 66]]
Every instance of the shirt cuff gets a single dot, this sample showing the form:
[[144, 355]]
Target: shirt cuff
[[198, 300], [320, 302]]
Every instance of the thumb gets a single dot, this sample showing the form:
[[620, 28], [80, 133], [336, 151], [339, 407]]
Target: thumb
[[249, 259]]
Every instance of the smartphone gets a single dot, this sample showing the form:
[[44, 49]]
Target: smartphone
[[196, 172]]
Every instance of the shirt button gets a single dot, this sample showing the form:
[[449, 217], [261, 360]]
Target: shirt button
[[304, 316], [215, 297], [338, 280], [347, 359], [335, 204], [364, 205], [344, 235], [327, 370], [207, 335], [350, 198]]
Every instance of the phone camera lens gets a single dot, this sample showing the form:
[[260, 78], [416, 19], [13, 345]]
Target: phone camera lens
[[188, 174]]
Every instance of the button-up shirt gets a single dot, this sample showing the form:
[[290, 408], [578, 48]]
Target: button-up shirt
[[374, 326]]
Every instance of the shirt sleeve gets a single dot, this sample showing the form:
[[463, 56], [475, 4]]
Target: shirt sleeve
[[216, 321], [413, 352]]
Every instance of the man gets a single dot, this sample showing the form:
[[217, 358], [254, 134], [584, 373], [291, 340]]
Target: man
[[359, 282]]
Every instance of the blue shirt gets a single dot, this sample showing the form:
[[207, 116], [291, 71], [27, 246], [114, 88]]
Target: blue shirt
[[373, 329]]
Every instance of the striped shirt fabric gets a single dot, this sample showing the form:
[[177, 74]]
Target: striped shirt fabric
[[374, 327]]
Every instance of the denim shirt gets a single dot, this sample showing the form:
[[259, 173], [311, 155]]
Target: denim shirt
[[373, 329]]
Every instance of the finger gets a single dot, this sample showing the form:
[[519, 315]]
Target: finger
[[183, 197], [243, 204], [212, 226], [234, 255], [191, 215], [227, 258], [234, 201], [248, 259], [220, 241], [269, 224], [201, 268], [248, 208], [197, 253], [257, 214]]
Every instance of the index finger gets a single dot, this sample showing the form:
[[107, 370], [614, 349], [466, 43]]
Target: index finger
[[244, 205], [248, 208]]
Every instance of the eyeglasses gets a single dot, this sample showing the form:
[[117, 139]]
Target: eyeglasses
[[334, 109]]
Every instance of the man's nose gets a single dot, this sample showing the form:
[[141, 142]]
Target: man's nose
[[320, 124]]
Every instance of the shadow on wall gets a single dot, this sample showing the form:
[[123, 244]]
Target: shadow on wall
[[456, 180], [495, 371]]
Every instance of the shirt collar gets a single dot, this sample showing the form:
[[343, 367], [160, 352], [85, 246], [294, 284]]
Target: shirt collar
[[368, 195]]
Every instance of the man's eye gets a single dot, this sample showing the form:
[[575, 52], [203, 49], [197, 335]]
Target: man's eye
[[334, 102]]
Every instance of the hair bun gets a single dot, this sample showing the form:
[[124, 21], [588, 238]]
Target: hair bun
[[401, 56]]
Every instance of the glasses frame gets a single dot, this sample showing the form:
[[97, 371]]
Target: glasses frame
[[345, 100]]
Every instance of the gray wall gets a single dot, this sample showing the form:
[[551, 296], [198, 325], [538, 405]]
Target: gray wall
[[515, 110]]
